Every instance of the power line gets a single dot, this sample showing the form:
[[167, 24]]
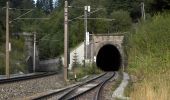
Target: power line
[[3, 7], [20, 9], [99, 19], [83, 7], [48, 40], [34, 18], [83, 15], [21, 16], [17, 8]]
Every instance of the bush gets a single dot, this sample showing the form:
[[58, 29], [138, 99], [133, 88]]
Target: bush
[[149, 58]]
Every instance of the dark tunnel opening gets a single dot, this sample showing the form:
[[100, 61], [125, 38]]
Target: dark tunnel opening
[[108, 58]]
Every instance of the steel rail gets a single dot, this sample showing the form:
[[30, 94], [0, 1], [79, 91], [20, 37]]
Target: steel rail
[[100, 85], [28, 77], [70, 89], [50, 94], [80, 94], [68, 93], [98, 94]]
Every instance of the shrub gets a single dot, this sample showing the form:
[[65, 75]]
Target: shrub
[[149, 58]]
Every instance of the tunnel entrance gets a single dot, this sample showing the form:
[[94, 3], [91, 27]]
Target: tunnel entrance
[[108, 58]]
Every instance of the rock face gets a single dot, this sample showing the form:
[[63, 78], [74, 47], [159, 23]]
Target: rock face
[[20, 89]]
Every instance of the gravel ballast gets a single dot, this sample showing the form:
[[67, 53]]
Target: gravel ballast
[[25, 88]]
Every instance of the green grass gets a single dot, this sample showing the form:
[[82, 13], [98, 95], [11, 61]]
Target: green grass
[[81, 71], [149, 59]]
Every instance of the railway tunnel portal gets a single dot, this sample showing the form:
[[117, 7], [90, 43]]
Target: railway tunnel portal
[[108, 58], [107, 51]]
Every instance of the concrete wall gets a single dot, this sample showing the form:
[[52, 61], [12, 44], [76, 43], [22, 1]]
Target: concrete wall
[[57, 63], [79, 51], [50, 65]]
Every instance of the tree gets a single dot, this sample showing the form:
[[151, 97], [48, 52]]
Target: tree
[[39, 4], [27, 4], [45, 5], [159, 5], [122, 21], [2, 19]]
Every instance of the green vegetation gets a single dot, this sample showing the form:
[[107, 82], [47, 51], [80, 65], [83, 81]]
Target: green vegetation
[[53, 29], [123, 11], [81, 71], [149, 59], [17, 56], [18, 53]]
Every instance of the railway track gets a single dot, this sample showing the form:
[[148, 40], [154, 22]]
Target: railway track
[[89, 90], [26, 77]]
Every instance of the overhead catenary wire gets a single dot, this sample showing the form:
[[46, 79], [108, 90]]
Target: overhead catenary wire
[[34, 18], [99, 19], [21, 16], [17, 8], [83, 7], [20, 9], [2, 7], [48, 40], [83, 15]]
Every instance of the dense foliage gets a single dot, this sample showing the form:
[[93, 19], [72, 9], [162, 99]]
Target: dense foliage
[[149, 59]]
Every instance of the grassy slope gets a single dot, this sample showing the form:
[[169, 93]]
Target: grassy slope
[[149, 59]]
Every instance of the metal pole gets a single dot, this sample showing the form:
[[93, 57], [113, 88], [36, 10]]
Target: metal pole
[[34, 53], [91, 45], [85, 27], [65, 40], [143, 10], [7, 41]]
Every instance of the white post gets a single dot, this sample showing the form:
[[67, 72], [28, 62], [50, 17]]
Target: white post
[[86, 10], [85, 27]]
